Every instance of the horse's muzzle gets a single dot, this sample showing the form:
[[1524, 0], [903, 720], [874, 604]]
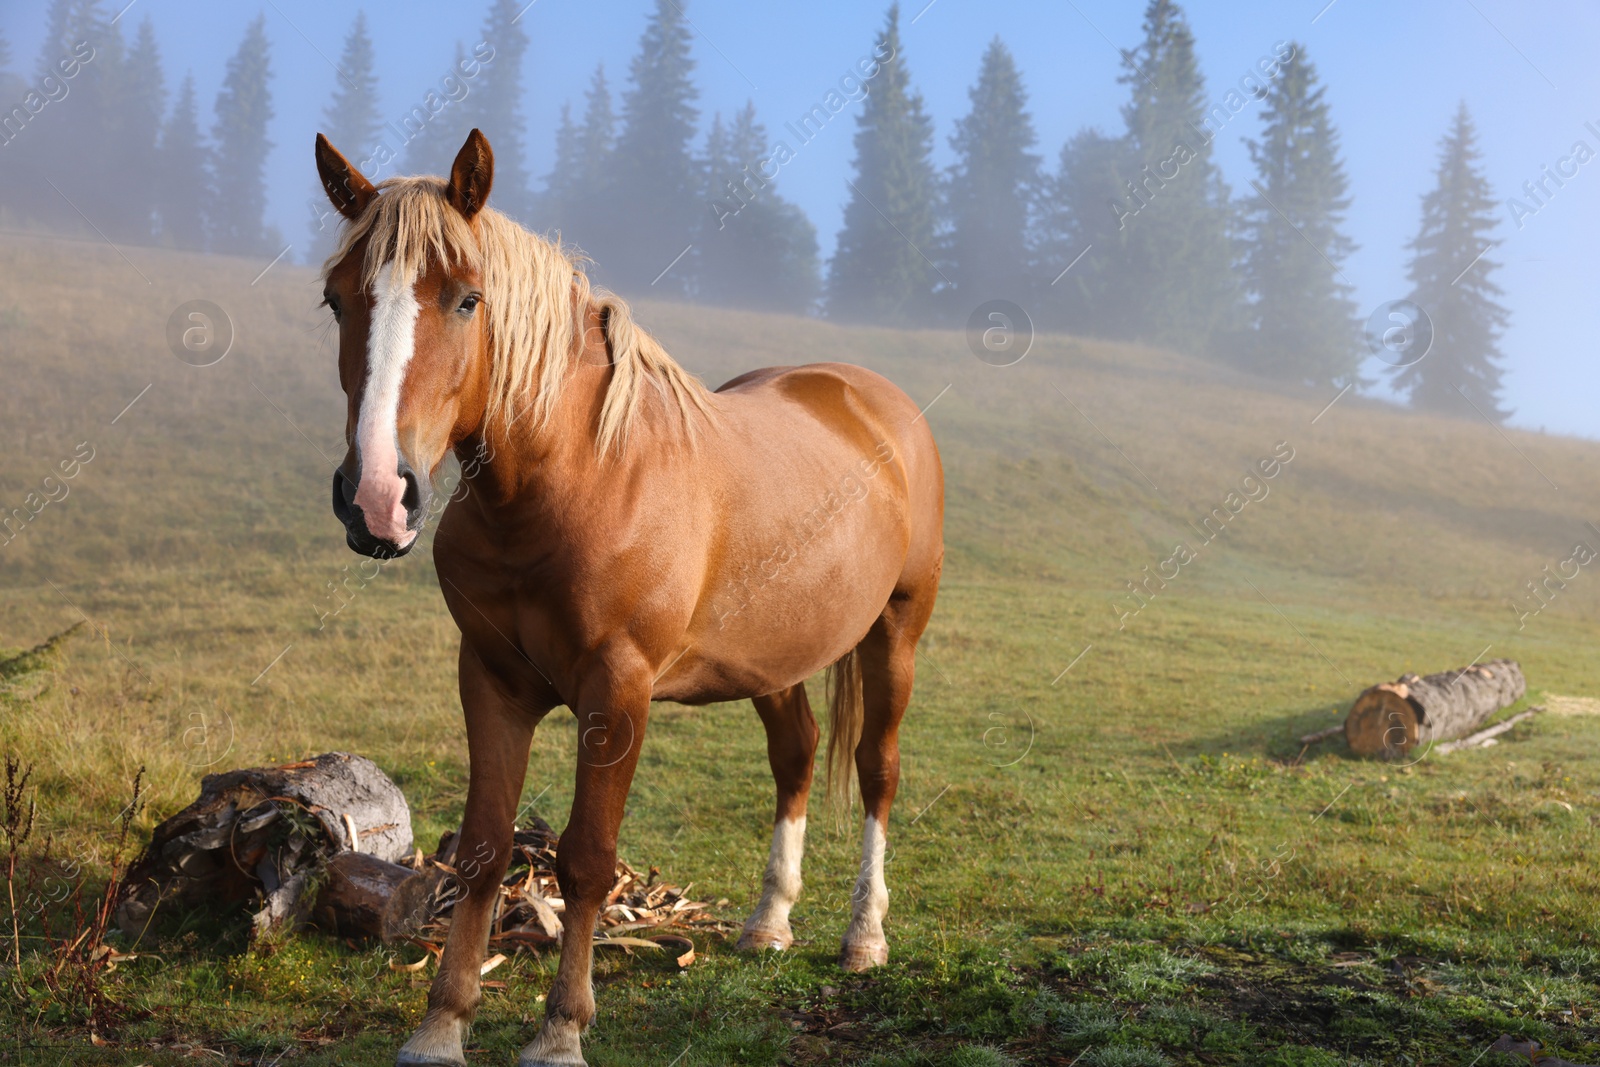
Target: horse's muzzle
[[356, 535]]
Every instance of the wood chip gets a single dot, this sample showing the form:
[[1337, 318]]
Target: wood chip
[[625, 942], [681, 945]]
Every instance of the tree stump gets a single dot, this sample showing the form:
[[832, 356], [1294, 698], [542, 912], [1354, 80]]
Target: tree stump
[[1392, 719], [260, 832]]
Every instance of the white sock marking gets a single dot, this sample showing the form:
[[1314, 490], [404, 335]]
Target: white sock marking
[[780, 886], [871, 898]]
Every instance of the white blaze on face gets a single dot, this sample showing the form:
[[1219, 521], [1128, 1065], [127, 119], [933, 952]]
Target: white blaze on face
[[390, 344]]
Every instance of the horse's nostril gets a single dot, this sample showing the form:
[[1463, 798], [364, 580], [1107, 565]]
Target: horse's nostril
[[343, 496], [411, 499]]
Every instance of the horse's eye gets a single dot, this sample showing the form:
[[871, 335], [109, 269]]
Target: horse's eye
[[332, 304], [469, 304]]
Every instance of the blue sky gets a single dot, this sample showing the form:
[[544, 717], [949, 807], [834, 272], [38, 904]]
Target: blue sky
[[1394, 75]]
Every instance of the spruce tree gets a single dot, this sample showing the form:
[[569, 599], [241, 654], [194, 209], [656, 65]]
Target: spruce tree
[[10, 83], [1177, 250], [136, 113], [352, 122], [432, 148], [1450, 277], [599, 137], [495, 107], [576, 187], [654, 197], [558, 183], [721, 171], [1304, 323], [62, 23], [50, 143], [63, 158], [23, 143], [756, 249], [11, 90], [183, 165], [1082, 253], [94, 119], [880, 270], [238, 197], [991, 187]]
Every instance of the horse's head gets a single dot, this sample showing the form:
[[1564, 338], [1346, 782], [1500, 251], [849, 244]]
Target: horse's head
[[411, 339]]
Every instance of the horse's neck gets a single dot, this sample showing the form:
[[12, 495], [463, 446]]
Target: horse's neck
[[506, 466]]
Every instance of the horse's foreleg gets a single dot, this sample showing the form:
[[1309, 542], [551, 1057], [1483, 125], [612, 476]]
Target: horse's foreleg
[[611, 714], [791, 748], [499, 734]]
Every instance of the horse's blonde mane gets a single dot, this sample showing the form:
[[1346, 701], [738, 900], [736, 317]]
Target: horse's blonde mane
[[536, 297]]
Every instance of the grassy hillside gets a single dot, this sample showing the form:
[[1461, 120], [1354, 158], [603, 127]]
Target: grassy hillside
[[1130, 862]]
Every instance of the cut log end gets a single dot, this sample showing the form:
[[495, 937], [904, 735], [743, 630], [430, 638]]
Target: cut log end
[[1383, 723]]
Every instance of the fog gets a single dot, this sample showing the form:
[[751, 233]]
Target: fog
[[1328, 194]]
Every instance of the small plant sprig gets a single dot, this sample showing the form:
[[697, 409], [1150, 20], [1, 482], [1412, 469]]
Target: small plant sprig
[[83, 956], [16, 825]]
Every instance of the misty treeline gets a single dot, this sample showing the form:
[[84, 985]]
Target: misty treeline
[[1132, 236]]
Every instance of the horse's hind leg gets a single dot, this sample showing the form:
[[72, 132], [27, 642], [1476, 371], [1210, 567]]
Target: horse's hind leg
[[791, 747], [888, 664]]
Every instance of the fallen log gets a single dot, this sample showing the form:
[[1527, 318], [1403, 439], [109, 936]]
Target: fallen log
[[1392, 719], [260, 833]]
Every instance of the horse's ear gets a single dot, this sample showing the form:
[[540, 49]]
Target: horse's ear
[[347, 187], [471, 176]]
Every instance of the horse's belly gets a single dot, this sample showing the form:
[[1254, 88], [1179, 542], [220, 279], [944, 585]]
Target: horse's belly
[[801, 604]]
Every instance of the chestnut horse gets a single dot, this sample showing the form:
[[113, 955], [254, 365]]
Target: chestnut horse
[[621, 535]]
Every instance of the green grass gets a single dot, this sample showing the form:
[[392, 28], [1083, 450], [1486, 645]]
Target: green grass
[[1129, 863]]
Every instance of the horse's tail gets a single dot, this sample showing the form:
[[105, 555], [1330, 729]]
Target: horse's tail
[[845, 712]]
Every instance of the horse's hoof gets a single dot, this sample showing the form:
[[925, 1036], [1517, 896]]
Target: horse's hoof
[[555, 1046], [863, 956], [757, 940], [434, 1045], [528, 1059], [411, 1059]]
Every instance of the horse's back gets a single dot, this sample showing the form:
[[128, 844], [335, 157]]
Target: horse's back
[[842, 396], [860, 407]]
